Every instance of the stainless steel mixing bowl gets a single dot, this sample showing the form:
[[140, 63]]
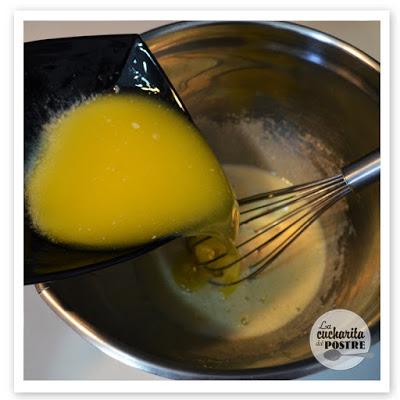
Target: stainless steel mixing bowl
[[310, 103]]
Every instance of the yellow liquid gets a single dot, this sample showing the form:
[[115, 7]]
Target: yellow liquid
[[122, 170]]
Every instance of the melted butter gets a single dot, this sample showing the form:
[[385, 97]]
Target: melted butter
[[122, 170], [189, 273]]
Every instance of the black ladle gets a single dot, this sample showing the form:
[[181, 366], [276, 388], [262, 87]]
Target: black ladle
[[57, 74]]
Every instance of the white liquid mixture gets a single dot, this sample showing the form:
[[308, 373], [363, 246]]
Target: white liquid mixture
[[256, 307]]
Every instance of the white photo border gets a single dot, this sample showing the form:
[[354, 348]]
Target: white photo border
[[170, 386]]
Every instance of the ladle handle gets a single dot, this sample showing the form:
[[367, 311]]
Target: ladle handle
[[363, 171]]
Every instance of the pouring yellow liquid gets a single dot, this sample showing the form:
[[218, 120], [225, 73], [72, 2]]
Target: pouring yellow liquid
[[121, 170]]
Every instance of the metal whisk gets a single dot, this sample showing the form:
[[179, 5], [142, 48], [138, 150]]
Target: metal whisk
[[289, 212]]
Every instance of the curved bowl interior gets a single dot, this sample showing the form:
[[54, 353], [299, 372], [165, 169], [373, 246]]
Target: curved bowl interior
[[301, 94]]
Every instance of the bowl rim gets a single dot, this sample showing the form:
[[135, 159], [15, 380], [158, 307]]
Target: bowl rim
[[174, 370], [289, 26], [171, 369]]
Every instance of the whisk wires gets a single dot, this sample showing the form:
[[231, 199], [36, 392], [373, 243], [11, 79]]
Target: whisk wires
[[281, 217]]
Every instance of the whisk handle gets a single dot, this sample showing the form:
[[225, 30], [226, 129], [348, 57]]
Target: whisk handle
[[363, 171]]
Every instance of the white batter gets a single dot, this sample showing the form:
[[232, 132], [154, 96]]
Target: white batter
[[273, 299]]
